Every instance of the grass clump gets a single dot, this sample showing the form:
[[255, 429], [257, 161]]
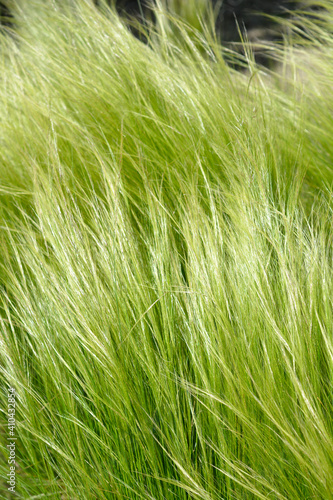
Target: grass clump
[[166, 262]]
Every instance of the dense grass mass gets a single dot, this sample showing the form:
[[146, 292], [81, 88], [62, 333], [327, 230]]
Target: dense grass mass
[[166, 259]]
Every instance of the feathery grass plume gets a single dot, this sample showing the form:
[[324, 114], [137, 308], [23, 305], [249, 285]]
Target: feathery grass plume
[[166, 262]]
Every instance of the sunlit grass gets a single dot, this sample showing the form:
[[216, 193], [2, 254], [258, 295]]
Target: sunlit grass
[[166, 261]]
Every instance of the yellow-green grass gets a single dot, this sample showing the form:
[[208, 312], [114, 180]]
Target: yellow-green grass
[[166, 261]]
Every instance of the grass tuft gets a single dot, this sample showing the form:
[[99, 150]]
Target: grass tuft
[[166, 258]]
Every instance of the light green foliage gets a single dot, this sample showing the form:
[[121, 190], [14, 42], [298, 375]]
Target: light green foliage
[[166, 262]]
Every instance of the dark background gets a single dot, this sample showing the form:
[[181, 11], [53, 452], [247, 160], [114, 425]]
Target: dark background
[[233, 15], [245, 11], [248, 14]]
